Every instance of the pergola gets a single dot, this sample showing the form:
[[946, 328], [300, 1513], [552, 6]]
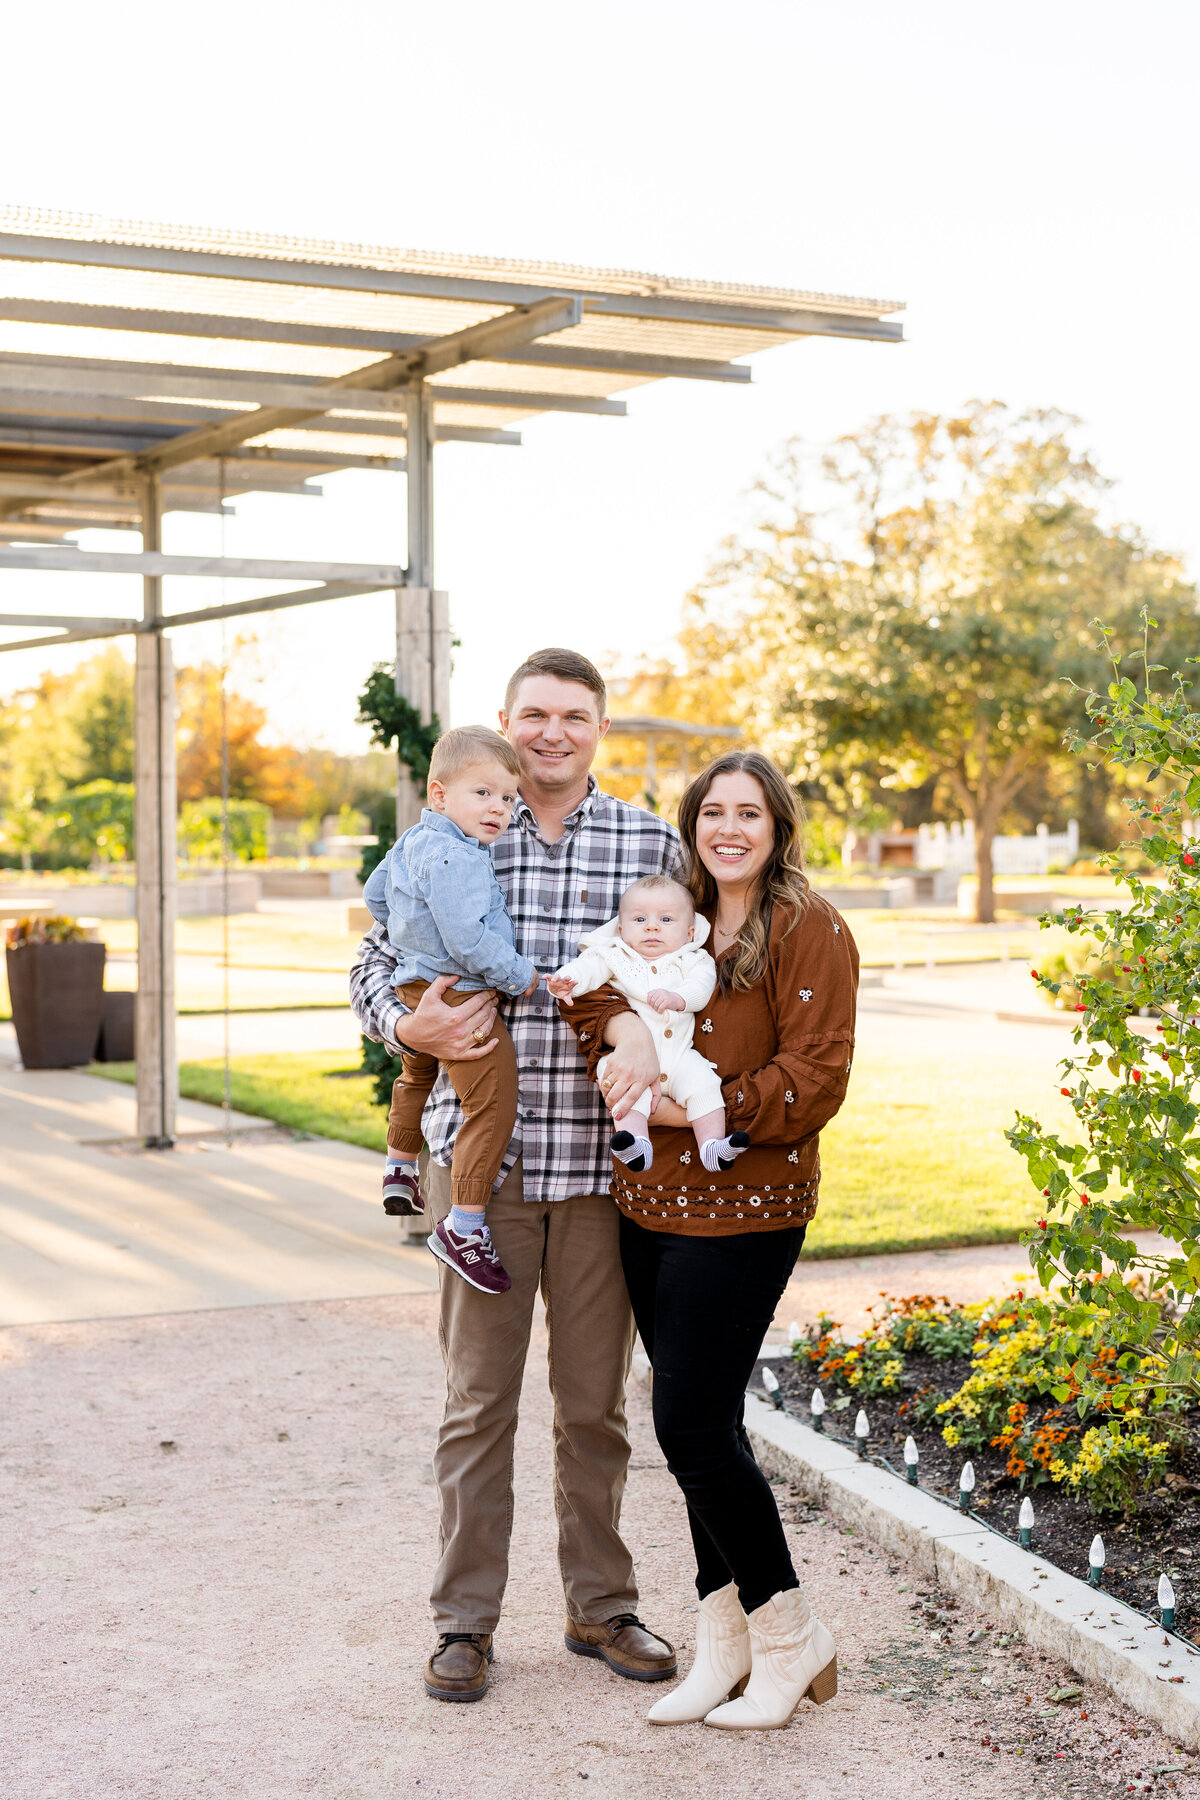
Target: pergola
[[146, 369]]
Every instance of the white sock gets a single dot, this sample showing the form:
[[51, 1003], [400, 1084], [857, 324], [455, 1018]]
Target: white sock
[[634, 1152], [722, 1153], [401, 1162]]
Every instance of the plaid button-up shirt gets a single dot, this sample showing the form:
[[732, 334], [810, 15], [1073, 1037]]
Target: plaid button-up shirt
[[556, 893]]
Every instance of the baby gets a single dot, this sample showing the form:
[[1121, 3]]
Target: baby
[[651, 953], [438, 895]]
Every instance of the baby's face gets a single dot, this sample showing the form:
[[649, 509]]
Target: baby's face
[[656, 922]]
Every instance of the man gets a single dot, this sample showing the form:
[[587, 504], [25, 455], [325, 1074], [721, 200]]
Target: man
[[566, 858]]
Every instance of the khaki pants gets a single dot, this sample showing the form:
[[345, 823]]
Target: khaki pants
[[568, 1248], [487, 1088]]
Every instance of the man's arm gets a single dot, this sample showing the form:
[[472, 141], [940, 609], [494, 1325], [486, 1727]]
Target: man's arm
[[434, 1028]]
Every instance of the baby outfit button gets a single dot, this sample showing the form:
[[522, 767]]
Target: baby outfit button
[[667, 1032]]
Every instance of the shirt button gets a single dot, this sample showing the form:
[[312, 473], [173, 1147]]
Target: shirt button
[[533, 1062]]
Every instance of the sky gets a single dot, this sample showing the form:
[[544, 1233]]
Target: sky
[[1025, 178]]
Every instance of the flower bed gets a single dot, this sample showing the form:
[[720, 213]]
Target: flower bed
[[992, 1383]]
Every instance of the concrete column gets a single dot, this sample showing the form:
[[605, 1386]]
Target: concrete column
[[155, 851], [422, 675], [422, 613]]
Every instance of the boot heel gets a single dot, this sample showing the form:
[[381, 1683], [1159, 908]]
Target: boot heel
[[823, 1687]]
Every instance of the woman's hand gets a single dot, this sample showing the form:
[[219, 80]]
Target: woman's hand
[[451, 1033], [668, 1113], [632, 1067]]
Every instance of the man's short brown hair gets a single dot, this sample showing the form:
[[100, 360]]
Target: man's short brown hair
[[566, 665], [456, 750]]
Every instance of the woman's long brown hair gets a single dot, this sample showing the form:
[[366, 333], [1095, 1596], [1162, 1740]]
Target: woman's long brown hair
[[782, 882]]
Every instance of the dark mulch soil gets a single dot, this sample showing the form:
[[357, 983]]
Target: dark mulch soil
[[1163, 1533]]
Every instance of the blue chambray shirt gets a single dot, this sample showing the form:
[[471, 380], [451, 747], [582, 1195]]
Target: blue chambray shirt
[[437, 893]]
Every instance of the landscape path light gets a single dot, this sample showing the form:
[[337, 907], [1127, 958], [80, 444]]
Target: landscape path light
[[1025, 1523], [1096, 1562], [1166, 1601], [862, 1431], [912, 1457], [966, 1486], [795, 1335], [770, 1382], [817, 1408]]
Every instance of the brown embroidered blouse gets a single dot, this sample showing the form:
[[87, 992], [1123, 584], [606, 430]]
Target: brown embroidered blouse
[[783, 1051]]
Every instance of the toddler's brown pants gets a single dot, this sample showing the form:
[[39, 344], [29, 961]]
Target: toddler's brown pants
[[487, 1088]]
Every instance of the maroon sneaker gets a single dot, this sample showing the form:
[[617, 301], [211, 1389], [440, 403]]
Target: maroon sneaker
[[473, 1257], [401, 1194]]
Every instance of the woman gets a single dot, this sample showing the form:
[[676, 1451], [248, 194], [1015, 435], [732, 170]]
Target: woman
[[707, 1257]]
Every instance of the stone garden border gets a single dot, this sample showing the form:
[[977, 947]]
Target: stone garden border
[[1096, 1635]]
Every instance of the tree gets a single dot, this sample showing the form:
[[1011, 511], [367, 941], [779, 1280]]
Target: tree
[[927, 630], [101, 709]]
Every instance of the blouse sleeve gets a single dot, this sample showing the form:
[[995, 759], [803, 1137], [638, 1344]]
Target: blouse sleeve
[[813, 989], [589, 1018]]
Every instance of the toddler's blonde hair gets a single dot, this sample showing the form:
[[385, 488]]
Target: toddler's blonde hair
[[456, 750]]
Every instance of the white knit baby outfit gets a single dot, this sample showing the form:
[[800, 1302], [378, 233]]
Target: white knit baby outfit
[[606, 959]]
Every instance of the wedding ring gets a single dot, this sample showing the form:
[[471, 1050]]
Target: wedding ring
[[480, 1034]]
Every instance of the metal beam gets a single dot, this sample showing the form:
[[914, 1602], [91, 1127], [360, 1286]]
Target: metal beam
[[84, 628], [75, 376], [70, 622], [238, 328], [519, 326], [236, 609], [153, 565], [481, 290], [184, 413]]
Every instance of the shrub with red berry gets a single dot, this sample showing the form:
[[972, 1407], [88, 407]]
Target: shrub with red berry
[[1135, 1164]]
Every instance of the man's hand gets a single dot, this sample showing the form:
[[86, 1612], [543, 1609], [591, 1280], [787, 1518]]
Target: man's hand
[[666, 1000], [451, 1033], [632, 1067], [562, 987]]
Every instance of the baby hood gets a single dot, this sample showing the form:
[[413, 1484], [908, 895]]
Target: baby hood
[[609, 933]]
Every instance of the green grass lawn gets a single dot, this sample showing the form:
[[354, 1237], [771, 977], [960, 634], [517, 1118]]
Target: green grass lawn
[[917, 1160], [309, 1092]]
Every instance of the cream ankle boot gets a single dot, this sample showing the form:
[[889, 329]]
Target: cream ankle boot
[[792, 1656], [720, 1666]]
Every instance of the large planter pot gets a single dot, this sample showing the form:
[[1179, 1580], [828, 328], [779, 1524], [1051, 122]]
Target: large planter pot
[[57, 993]]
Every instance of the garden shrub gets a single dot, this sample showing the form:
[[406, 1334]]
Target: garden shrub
[[1135, 1162]]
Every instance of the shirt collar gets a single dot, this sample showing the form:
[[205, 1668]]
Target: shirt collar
[[437, 821], [584, 810]]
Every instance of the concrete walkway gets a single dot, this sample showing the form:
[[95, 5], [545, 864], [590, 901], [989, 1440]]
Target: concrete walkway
[[221, 1384], [93, 1227]]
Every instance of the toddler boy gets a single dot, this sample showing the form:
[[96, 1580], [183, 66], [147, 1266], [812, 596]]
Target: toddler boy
[[651, 953], [438, 895]]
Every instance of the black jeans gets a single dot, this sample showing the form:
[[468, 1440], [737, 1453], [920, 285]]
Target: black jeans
[[703, 1305]]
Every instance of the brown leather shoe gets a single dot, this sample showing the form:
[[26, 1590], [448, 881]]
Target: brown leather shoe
[[625, 1645], [458, 1668]]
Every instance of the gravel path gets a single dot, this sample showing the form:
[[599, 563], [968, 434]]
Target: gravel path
[[218, 1533]]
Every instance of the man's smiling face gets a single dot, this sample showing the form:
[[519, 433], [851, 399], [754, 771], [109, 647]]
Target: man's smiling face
[[555, 729]]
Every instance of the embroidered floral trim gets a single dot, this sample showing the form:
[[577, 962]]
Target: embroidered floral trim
[[793, 1156], [686, 1157], [806, 993], [837, 928], [739, 1098], [789, 1097], [706, 1025], [584, 1036]]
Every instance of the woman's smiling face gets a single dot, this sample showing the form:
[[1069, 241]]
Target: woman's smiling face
[[735, 831]]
